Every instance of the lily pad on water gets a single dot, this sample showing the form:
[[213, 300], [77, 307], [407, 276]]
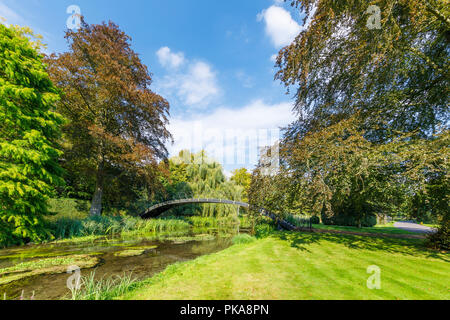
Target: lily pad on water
[[129, 253], [202, 237], [198, 237], [179, 241], [148, 248], [135, 251], [47, 266]]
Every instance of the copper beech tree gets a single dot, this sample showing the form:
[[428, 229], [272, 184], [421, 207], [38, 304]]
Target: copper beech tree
[[394, 74], [371, 82], [117, 124]]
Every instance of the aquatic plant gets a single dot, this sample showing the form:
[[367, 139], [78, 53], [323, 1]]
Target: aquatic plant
[[104, 288], [46, 266], [213, 222], [103, 225]]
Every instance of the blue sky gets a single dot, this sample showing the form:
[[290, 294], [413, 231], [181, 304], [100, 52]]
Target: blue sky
[[212, 60]]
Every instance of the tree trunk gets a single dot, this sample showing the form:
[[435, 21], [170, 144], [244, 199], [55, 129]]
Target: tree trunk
[[96, 206]]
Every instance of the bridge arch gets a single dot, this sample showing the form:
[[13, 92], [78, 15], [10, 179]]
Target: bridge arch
[[160, 208]]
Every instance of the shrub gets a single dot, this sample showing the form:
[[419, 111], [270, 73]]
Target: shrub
[[7, 237], [441, 238], [245, 221], [298, 220], [264, 230], [350, 221], [243, 238], [315, 220], [68, 208]]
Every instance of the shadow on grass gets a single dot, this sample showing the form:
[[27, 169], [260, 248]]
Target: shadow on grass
[[371, 230], [412, 247]]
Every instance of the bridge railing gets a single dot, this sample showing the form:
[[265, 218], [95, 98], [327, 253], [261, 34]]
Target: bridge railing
[[288, 224]]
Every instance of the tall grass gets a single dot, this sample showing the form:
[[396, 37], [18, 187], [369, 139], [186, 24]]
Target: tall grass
[[65, 228], [213, 222], [203, 222], [104, 288]]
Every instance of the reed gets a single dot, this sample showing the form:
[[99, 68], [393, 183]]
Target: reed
[[67, 228], [104, 288]]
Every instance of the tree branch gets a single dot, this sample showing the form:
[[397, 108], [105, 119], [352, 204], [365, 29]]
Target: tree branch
[[436, 12]]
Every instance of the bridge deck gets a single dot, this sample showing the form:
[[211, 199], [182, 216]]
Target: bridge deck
[[158, 209]]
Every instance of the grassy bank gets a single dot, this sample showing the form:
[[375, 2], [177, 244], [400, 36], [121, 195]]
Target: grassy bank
[[378, 229], [305, 266]]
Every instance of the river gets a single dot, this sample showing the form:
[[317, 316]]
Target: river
[[168, 249]]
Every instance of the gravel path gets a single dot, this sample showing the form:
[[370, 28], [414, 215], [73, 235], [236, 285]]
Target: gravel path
[[413, 227]]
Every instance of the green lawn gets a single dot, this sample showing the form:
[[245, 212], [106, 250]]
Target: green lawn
[[306, 266], [385, 228]]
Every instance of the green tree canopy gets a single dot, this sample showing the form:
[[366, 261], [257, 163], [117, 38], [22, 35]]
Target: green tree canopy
[[242, 178], [29, 127]]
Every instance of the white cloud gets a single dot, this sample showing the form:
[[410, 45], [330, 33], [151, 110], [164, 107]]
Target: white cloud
[[280, 26], [193, 83], [199, 85], [169, 59], [228, 174], [232, 136]]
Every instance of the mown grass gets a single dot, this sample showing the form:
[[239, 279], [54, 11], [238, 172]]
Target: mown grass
[[305, 266], [387, 229]]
